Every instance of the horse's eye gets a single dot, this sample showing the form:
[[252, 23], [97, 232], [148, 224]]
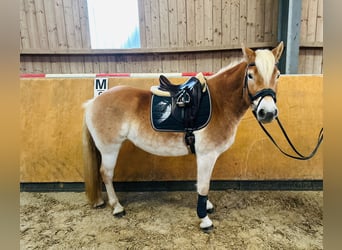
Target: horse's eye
[[278, 75], [250, 76]]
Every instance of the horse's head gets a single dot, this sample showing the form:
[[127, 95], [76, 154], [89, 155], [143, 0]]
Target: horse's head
[[261, 81]]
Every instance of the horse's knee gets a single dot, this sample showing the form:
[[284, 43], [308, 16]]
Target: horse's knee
[[106, 175]]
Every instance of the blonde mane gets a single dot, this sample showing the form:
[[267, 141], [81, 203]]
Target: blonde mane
[[229, 66], [264, 61]]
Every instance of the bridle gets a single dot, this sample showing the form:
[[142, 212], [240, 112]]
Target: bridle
[[270, 92], [262, 93]]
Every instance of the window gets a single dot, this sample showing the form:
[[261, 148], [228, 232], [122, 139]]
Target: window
[[114, 24]]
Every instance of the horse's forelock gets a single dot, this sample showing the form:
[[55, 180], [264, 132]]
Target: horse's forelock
[[265, 62]]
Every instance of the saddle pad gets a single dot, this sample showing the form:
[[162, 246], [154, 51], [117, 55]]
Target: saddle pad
[[163, 120]]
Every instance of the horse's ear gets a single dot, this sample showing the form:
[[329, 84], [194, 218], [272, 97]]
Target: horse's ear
[[277, 51], [248, 54]]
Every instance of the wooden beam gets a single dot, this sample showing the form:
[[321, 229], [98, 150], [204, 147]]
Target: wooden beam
[[72, 51], [316, 44], [156, 50]]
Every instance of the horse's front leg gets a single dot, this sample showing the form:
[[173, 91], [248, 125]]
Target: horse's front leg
[[205, 166]]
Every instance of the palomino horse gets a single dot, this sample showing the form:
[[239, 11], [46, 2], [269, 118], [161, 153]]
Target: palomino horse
[[123, 113]]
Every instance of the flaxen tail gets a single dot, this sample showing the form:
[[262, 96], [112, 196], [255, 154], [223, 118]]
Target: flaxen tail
[[91, 161]]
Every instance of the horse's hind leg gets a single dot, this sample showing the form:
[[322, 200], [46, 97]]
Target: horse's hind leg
[[107, 172]]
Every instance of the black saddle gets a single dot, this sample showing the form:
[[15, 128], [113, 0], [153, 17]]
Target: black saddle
[[175, 89], [181, 108], [185, 99]]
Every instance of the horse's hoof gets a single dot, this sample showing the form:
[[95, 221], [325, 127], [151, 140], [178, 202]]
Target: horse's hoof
[[120, 214], [208, 229], [100, 206], [210, 211]]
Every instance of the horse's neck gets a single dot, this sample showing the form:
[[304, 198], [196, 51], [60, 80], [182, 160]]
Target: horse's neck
[[226, 88]]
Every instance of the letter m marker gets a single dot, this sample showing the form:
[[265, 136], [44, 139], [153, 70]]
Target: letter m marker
[[100, 85]]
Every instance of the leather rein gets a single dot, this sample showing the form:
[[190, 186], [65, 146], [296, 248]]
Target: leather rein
[[270, 92]]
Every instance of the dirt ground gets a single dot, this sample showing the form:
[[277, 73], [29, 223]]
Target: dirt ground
[[168, 220]]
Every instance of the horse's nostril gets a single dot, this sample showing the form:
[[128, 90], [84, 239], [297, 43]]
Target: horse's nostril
[[261, 113], [275, 112], [266, 116], [269, 116]]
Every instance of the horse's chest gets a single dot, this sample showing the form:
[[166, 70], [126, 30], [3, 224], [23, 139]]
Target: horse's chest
[[218, 141], [228, 141]]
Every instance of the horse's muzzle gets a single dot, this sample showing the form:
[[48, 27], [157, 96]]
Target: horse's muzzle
[[266, 110], [266, 116]]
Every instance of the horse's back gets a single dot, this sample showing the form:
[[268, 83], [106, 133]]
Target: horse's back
[[123, 94], [108, 114], [122, 99]]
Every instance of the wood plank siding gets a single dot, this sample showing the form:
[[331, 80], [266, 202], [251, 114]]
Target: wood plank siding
[[176, 36]]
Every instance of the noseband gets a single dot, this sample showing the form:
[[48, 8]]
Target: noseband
[[270, 92]]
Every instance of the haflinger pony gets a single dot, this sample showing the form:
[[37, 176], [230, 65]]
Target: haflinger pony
[[123, 113]]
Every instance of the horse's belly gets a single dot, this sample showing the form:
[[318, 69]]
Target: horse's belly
[[160, 143]]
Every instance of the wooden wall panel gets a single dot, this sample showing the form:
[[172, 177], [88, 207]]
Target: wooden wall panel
[[51, 24], [143, 63], [201, 23], [312, 22], [32, 24], [54, 24], [61, 26], [311, 52], [24, 32], [310, 61], [51, 147]]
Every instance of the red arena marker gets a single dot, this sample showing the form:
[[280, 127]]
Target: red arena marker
[[189, 73], [195, 73], [32, 75]]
